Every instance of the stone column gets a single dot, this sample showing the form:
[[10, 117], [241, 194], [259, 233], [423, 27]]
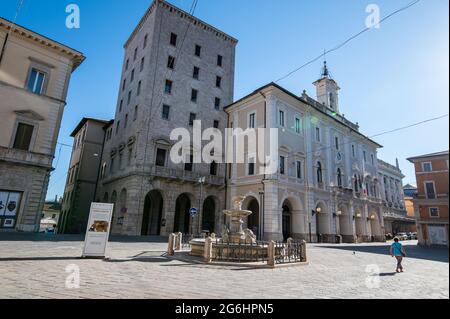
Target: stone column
[[207, 252], [170, 250], [271, 254]]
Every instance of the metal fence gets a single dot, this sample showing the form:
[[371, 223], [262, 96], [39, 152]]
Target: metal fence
[[293, 251], [240, 252]]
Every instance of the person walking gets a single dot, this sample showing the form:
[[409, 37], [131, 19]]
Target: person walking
[[398, 252]]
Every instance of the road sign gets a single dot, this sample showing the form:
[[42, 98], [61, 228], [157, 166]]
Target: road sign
[[193, 211]]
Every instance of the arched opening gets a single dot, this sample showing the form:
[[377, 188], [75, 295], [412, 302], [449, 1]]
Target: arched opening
[[182, 217], [209, 214], [287, 220], [252, 204], [322, 222], [153, 208]]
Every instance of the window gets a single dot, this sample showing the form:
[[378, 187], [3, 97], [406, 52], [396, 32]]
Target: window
[[251, 168], [219, 60], [365, 156], [213, 169], [120, 105], [299, 169], [282, 165], [429, 188], [135, 54], [126, 121], [319, 173], [217, 103], [173, 39], [142, 64], [132, 76], [353, 151], [218, 81], [434, 212], [372, 159], [139, 88], [196, 73], [336, 143], [297, 125], [171, 62], [317, 134], [129, 98], [136, 109], [145, 40], [216, 124], [251, 120], [192, 117], [198, 50], [117, 127], [168, 87], [281, 118], [36, 81], [161, 157], [188, 165], [23, 137], [127, 64], [427, 167], [339, 177], [194, 95], [165, 112], [124, 84]]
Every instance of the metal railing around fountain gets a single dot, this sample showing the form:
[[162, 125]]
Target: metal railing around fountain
[[186, 240], [244, 251], [294, 251]]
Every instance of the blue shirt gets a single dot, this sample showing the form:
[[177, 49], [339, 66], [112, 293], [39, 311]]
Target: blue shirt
[[397, 249]]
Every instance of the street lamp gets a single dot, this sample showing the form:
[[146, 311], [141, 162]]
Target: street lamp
[[201, 180]]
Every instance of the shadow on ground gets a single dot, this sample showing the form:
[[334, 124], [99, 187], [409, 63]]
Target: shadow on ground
[[35, 237], [415, 252]]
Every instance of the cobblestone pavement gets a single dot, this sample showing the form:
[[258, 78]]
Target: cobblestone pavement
[[34, 268]]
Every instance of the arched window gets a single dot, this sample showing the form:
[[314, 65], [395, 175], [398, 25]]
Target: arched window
[[319, 173], [339, 177]]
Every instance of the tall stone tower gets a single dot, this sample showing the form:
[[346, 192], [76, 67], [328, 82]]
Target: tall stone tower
[[176, 69], [327, 90]]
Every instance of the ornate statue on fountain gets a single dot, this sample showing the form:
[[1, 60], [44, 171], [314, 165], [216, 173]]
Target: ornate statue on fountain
[[236, 234]]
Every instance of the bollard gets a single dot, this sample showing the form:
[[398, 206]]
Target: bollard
[[170, 250], [303, 257], [207, 252], [178, 241], [271, 254]]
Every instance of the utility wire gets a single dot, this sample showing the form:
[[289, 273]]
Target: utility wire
[[339, 46], [13, 23]]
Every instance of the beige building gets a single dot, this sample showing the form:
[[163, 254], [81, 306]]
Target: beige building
[[34, 79], [176, 69], [82, 177], [326, 187]]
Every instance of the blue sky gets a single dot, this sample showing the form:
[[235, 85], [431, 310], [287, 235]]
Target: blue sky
[[390, 77]]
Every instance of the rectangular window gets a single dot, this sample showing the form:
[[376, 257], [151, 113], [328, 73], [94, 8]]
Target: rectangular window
[[161, 157], [168, 87], [251, 168], [36, 81], [173, 39], [218, 81], [353, 151], [219, 60], [281, 118], [365, 156], [217, 103], [198, 50], [136, 109], [372, 159], [434, 212], [145, 40], [120, 105], [132, 76], [117, 127], [192, 117], [196, 73], [127, 64], [188, 165], [165, 112], [251, 120], [135, 54], [142, 64], [336, 143], [129, 97], [427, 167], [171, 62], [297, 125], [126, 121], [282, 165], [299, 169], [317, 134], [429, 188], [24, 133], [216, 124], [194, 95], [139, 88]]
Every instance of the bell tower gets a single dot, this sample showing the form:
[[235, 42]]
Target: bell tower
[[327, 90]]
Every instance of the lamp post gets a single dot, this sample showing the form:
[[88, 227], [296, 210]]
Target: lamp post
[[201, 180], [318, 210]]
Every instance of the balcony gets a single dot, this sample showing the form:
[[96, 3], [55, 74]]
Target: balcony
[[25, 157], [184, 176]]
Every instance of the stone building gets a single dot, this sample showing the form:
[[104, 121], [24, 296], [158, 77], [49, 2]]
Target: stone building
[[409, 192], [326, 187], [431, 201], [34, 79], [82, 177], [394, 208], [176, 69]]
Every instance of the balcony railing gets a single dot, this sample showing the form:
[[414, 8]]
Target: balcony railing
[[25, 157]]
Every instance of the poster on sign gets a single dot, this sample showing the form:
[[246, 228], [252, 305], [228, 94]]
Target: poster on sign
[[98, 228]]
